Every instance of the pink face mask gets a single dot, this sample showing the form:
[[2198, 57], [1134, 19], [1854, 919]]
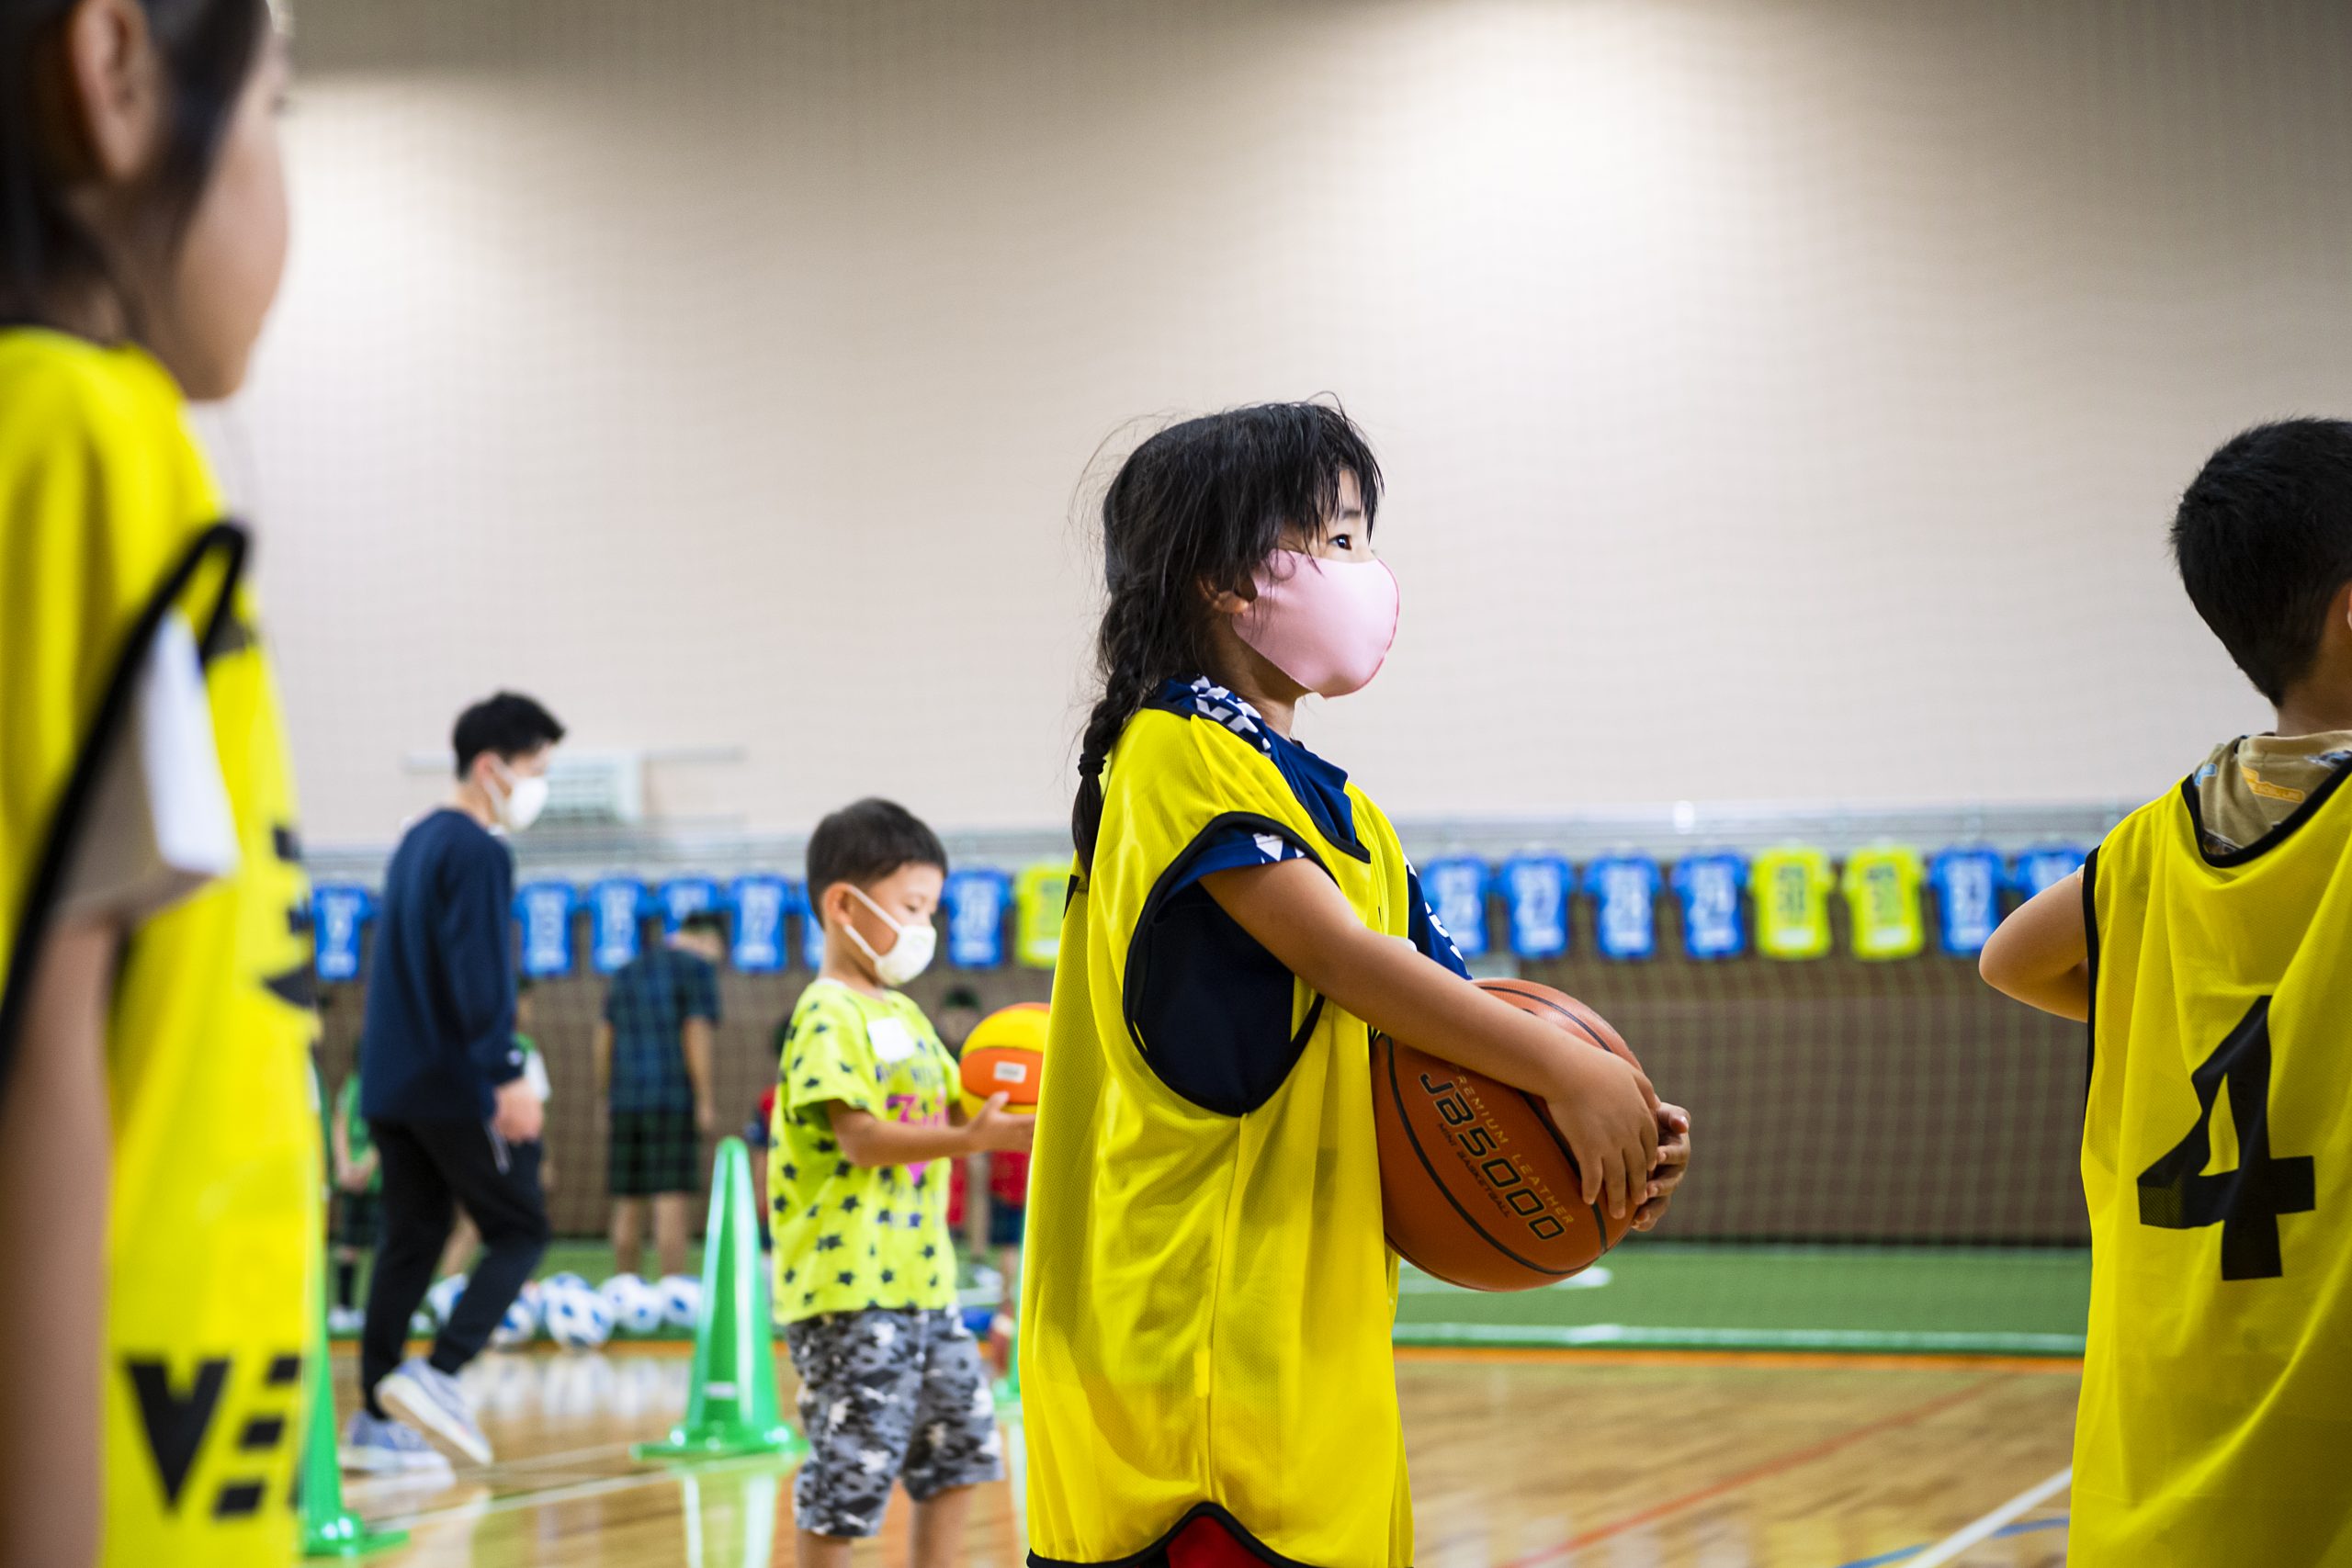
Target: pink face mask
[[1328, 625]]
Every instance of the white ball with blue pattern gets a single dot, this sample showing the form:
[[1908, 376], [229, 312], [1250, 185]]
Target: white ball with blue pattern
[[521, 1323], [578, 1318], [635, 1306], [681, 1298], [442, 1299]]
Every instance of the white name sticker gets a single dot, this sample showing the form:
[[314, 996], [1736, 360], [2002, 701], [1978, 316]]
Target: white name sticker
[[892, 1041]]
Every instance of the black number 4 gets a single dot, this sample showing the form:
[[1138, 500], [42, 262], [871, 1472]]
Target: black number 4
[[2176, 1195]]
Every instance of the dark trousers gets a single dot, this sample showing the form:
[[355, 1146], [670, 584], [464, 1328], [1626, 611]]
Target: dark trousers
[[429, 1168]]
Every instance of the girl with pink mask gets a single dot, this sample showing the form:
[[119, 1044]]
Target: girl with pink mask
[[1205, 1357]]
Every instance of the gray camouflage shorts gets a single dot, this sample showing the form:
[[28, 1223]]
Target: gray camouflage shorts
[[888, 1394]]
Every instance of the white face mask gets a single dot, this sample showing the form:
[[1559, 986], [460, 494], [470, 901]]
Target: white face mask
[[525, 798], [908, 956]]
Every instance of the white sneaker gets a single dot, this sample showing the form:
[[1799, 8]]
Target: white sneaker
[[346, 1320], [429, 1399], [386, 1448]]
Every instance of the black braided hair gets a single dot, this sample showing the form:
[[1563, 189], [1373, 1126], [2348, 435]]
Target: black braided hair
[[1191, 514]]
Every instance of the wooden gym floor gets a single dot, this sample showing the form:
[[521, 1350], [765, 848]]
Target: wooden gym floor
[[1521, 1460]]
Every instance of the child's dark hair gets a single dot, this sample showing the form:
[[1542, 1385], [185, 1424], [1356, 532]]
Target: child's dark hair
[[2264, 542], [209, 49], [507, 726], [1192, 513], [865, 842], [704, 922]]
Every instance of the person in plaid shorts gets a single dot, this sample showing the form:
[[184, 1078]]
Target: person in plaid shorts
[[652, 1055]]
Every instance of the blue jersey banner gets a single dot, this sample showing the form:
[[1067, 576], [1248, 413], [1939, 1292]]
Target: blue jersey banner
[[614, 907], [1714, 921], [1968, 884], [686, 895], [1536, 895], [337, 915], [2039, 868], [1624, 892], [1457, 895], [976, 903], [761, 902], [812, 931], [544, 911]]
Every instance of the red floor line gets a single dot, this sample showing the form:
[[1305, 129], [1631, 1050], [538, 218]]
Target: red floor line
[[1771, 1467]]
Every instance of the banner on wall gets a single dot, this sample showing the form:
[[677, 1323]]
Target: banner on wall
[[1793, 887], [544, 911], [1715, 923], [976, 901], [1456, 889], [1535, 897], [338, 914], [761, 903], [1881, 887], [1968, 883], [614, 907], [2038, 869], [1040, 894], [1625, 891], [684, 896]]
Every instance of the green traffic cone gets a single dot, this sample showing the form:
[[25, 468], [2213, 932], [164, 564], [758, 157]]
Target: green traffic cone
[[731, 1401], [330, 1529]]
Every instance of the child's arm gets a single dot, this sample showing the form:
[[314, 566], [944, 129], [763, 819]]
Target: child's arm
[[2040, 954], [694, 1043], [339, 1143], [55, 1149], [1603, 1107], [600, 1053], [870, 1140]]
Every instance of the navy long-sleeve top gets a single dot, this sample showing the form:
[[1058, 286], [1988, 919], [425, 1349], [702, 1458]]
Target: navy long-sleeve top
[[439, 1033]]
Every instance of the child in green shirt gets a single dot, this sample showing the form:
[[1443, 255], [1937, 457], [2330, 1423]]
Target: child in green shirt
[[862, 1138]]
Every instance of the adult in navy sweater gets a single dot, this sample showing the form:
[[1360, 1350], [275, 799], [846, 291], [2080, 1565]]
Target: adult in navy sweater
[[441, 1084]]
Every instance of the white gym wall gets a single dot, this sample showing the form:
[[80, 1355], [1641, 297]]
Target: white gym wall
[[1784, 400]]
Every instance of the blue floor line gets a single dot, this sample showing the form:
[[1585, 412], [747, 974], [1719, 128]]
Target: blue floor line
[[1884, 1560]]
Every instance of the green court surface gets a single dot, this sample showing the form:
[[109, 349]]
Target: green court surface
[[1990, 1301], [1662, 1294]]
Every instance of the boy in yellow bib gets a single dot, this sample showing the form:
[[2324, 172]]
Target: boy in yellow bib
[[1207, 1307], [2208, 944], [159, 1139]]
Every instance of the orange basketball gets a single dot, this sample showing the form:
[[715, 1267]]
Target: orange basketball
[[1477, 1185], [1006, 1055]]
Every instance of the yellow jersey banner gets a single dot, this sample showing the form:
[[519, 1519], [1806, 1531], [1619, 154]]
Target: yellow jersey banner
[[2216, 1416], [214, 1227]]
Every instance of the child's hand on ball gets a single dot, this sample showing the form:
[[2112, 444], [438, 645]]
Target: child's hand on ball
[[1673, 1165], [1608, 1114], [993, 1129]]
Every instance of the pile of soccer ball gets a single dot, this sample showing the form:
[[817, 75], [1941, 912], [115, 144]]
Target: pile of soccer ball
[[581, 1317]]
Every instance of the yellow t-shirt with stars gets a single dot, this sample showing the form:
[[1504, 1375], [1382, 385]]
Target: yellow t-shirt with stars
[[849, 1236]]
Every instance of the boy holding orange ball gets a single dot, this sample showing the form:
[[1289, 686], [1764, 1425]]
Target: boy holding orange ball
[[865, 1126]]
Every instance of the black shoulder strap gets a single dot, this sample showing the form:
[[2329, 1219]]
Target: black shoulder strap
[[228, 541]]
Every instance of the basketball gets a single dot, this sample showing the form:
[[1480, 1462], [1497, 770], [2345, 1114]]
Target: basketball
[[1006, 1055], [1477, 1185]]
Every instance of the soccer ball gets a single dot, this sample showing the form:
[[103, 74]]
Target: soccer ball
[[634, 1305], [680, 1299], [578, 1318], [442, 1299], [520, 1322], [568, 1279]]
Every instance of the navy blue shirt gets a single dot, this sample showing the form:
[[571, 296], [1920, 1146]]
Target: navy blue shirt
[[651, 998], [440, 1023]]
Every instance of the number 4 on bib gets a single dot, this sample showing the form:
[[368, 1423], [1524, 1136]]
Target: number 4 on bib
[[2176, 1194]]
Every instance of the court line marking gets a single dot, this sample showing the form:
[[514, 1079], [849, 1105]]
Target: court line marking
[[550, 1494], [1888, 1559], [1775, 1466], [1534, 1355], [1949, 1548]]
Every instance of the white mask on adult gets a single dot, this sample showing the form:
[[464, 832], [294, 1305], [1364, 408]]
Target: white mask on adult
[[524, 797], [906, 956]]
